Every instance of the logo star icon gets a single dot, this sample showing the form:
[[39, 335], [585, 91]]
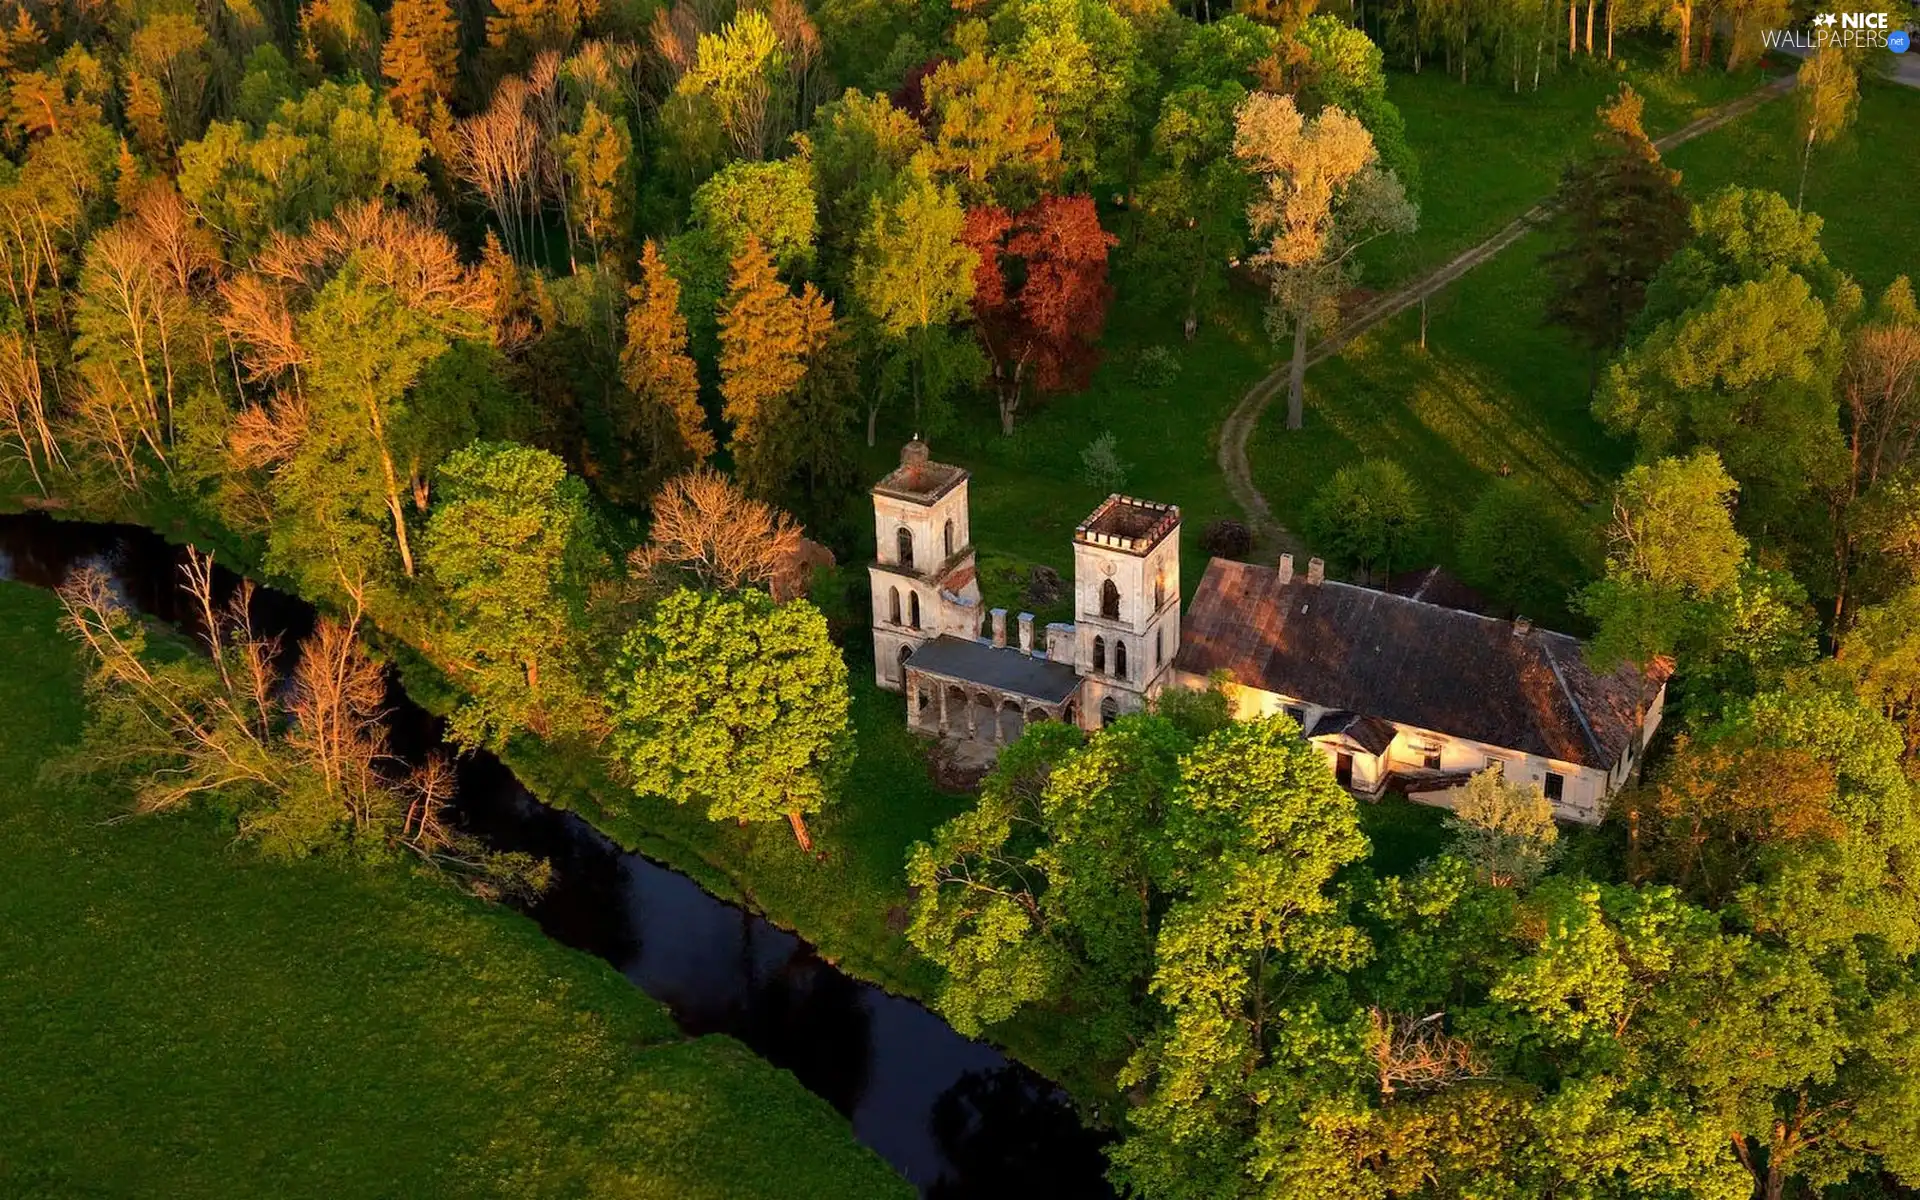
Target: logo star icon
[[1824, 19]]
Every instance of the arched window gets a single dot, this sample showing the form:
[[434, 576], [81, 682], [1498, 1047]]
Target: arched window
[[906, 652], [1109, 709], [913, 609], [1109, 601], [905, 539], [949, 539], [1119, 659], [1159, 590], [893, 605], [1099, 654]]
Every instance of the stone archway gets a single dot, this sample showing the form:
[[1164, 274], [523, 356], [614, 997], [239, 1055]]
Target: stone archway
[[1036, 715], [953, 711], [1109, 711], [986, 716], [1012, 723]]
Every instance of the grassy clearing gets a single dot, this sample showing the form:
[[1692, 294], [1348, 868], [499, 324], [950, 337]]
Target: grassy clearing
[[1863, 186], [187, 1019], [1028, 490], [1488, 155], [1495, 388]]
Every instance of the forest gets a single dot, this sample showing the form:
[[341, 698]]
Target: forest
[[543, 344]]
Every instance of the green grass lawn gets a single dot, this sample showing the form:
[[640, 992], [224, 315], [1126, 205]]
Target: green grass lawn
[[1495, 387], [185, 1018], [1864, 186], [1498, 387], [1028, 491], [1487, 155]]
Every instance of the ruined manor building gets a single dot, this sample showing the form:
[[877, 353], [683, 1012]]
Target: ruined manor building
[[1400, 693]]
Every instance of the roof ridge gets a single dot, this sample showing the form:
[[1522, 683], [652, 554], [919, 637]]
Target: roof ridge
[[1447, 608], [1579, 713]]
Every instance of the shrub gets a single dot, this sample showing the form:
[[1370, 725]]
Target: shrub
[[1227, 538], [1100, 464], [1157, 366]]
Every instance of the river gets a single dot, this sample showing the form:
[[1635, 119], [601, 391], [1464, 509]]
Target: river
[[953, 1115]]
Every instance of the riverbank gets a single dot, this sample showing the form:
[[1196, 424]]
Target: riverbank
[[851, 905], [187, 1018]]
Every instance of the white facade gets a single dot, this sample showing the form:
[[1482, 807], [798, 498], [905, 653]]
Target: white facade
[[922, 578], [1579, 793], [1126, 601], [923, 585]]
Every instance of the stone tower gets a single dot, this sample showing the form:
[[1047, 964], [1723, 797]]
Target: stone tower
[[922, 575], [1126, 586]]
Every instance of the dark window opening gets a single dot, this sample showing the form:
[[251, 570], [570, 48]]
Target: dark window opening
[[949, 539], [1110, 601], [1298, 714], [1343, 769], [1432, 760], [913, 609], [1158, 655], [1556, 786], [1109, 709], [1099, 654], [905, 540], [893, 605], [1120, 660]]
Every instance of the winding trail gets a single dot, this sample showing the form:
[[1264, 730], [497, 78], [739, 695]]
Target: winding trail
[[1237, 429]]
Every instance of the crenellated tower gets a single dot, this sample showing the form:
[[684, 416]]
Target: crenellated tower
[[1126, 585]]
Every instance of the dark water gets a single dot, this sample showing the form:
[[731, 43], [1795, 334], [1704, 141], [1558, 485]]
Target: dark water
[[951, 1114]]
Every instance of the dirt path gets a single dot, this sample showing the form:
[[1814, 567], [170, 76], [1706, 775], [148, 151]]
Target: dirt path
[[1237, 429]]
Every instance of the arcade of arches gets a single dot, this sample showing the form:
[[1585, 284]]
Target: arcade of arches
[[966, 710]]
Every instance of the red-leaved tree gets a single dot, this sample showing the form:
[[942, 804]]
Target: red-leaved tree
[[1039, 296]]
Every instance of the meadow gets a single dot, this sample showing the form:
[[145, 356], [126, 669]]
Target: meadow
[[187, 1018]]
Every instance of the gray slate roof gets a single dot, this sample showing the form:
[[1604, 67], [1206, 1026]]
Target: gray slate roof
[[1003, 668], [1371, 733], [1412, 663]]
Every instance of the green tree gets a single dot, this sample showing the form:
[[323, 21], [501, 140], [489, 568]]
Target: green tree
[[1748, 373], [735, 703], [1191, 202], [1367, 514], [741, 70], [1514, 547], [510, 547], [1829, 95], [858, 145], [1619, 216], [316, 154], [1240, 961], [1671, 549], [596, 161], [914, 275], [1505, 830], [1082, 61]]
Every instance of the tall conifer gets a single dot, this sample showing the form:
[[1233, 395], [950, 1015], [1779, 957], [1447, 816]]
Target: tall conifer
[[1620, 218]]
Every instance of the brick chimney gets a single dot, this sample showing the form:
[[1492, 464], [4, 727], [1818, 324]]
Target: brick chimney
[[1522, 626], [1026, 633], [914, 453], [1316, 571], [999, 627], [1286, 569]]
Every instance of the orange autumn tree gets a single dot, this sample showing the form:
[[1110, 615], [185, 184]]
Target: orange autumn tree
[[664, 421], [421, 58], [769, 339]]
